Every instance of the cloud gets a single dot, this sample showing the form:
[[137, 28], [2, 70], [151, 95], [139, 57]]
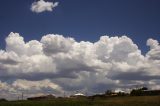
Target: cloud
[[141, 75], [36, 85], [154, 53], [62, 64], [56, 43], [41, 6], [8, 58], [29, 88]]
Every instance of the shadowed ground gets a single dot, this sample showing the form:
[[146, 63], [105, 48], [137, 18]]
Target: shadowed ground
[[111, 101]]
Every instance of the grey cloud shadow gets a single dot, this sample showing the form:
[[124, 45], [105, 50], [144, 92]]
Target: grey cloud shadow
[[141, 75]]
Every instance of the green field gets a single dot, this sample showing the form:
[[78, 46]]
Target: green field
[[111, 101]]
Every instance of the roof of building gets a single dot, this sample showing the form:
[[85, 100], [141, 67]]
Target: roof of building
[[79, 94]]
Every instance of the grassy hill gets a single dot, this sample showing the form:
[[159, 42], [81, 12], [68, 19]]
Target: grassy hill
[[110, 101]]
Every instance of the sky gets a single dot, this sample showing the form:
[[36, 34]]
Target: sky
[[88, 46]]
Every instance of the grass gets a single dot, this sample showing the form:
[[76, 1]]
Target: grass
[[111, 101]]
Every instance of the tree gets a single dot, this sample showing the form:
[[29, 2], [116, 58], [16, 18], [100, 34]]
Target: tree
[[108, 92], [144, 88]]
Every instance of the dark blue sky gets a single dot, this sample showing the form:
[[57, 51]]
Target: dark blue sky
[[83, 19]]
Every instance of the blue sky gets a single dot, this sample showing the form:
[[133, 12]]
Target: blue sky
[[83, 19]]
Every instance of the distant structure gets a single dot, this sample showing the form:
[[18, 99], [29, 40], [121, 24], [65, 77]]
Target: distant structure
[[77, 95], [45, 97], [144, 92]]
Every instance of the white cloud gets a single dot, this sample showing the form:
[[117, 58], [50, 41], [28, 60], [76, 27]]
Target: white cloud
[[29, 88], [68, 65], [15, 43], [56, 43], [154, 53], [41, 6], [152, 43], [35, 85]]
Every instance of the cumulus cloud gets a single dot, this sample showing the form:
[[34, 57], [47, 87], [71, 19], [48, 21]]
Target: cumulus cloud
[[29, 88], [61, 64], [35, 85], [56, 43], [154, 53], [41, 6]]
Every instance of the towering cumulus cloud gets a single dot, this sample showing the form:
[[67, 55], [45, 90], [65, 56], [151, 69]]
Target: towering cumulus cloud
[[41, 6], [60, 64]]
